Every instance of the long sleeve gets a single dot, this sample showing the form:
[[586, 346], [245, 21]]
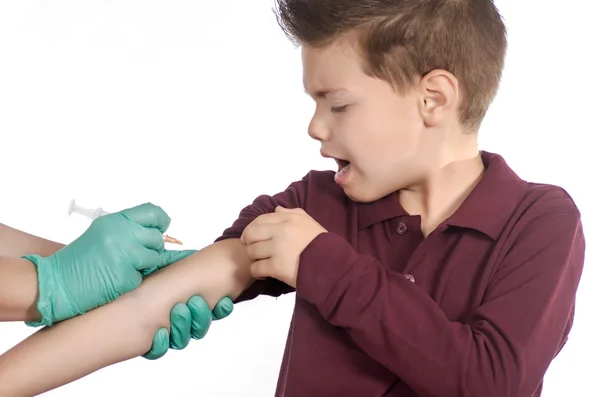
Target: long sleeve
[[502, 351], [292, 196]]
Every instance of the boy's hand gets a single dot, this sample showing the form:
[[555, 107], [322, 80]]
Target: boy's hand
[[275, 241]]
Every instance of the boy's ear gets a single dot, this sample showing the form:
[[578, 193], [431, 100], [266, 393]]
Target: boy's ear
[[439, 97]]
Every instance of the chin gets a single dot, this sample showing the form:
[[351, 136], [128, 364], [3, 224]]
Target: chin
[[362, 195]]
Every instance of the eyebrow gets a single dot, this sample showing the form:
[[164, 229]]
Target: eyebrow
[[323, 93]]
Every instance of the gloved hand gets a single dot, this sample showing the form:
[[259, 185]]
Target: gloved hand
[[191, 320], [106, 261]]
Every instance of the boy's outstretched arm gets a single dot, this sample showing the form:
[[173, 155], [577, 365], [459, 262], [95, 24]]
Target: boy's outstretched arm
[[16, 243], [123, 329]]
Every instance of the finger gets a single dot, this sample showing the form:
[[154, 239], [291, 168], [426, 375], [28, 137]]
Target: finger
[[260, 232], [272, 217], [148, 215], [262, 269], [269, 218], [168, 257], [223, 308], [201, 316], [249, 227], [150, 238], [280, 209], [160, 345], [260, 250], [181, 326], [283, 209], [144, 260]]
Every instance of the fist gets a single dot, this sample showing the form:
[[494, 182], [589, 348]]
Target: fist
[[275, 241]]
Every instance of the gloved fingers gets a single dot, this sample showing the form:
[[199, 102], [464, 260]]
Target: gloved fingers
[[148, 215], [144, 260], [150, 238], [168, 257], [222, 309], [201, 316], [181, 326], [160, 345]]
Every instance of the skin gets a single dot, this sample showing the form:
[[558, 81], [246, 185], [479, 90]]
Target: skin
[[411, 143], [18, 277], [124, 328], [275, 241]]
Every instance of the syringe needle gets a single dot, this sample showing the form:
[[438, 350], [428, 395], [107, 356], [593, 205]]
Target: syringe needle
[[172, 240]]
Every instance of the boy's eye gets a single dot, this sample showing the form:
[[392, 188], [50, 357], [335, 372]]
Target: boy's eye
[[339, 109]]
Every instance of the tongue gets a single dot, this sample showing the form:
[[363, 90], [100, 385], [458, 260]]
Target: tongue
[[343, 167]]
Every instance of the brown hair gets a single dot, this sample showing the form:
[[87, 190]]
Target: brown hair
[[403, 40]]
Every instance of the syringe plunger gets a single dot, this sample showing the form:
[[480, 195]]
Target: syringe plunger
[[88, 212]]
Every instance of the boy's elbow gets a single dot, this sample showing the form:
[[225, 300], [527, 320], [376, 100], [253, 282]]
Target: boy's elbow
[[493, 383]]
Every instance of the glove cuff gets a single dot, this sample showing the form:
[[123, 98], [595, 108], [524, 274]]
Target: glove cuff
[[47, 290]]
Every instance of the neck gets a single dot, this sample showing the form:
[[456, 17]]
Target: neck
[[444, 187]]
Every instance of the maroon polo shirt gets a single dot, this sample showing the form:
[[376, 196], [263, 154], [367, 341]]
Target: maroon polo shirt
[[478, 308]]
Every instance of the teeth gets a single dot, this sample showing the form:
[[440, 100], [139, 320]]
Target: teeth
[[344, 169]]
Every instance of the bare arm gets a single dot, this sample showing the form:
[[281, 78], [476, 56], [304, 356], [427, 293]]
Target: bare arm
[[18, 290], [16, 243], [123, 329], [18, 277]]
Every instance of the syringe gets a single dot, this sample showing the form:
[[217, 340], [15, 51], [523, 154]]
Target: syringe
[[98, 212]]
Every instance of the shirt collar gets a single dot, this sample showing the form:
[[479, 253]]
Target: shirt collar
[[486, 209]]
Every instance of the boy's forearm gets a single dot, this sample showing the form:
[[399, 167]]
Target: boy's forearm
[[125, 328], [18, 290], [72, 349], [17, 243], [221, 269]]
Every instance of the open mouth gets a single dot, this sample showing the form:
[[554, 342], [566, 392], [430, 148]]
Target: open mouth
[[343, 165], [343, 172]]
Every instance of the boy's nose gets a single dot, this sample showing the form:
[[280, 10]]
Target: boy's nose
[[318, 130]]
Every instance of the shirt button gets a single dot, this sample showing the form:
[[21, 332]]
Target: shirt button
[[401, 228], [409, 277]]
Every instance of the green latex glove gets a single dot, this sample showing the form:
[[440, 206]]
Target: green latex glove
[[188, 321], [106, 261]]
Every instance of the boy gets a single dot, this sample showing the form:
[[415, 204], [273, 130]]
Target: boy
[[423, 267]]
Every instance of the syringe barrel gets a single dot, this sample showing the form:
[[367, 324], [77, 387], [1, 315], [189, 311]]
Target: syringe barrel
[[87, 212], [90, 213]]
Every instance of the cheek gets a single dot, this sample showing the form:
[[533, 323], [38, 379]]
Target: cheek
[[393, 154], [391, 139], [379, 138], [364, 140]]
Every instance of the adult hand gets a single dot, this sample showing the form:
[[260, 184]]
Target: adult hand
[[191, 320], [106, 261]]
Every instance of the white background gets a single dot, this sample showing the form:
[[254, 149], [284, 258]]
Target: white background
[[115, 103]]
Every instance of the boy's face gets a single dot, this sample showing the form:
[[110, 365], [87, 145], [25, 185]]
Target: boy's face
[[380, 139]]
